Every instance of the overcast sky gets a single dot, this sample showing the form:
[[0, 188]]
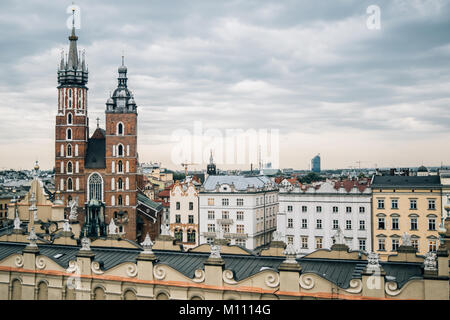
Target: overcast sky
[[311, 69]]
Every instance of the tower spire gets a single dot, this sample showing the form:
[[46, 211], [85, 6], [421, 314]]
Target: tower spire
[[73, 52]]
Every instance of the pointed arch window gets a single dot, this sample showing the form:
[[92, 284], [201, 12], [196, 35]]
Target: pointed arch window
[[120, 150], [120, 166], [69, 184], [69, 118], [119, 200], [95, 187], [69, 167], [69, 134], [119, 184], [120, 129], [69, 150]]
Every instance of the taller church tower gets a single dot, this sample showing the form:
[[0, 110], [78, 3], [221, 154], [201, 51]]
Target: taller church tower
[[72, 125]]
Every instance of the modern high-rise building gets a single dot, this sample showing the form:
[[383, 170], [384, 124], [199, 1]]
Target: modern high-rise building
[[315, 163]]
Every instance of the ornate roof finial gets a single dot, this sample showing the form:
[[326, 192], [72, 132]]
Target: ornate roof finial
[[32, 237], [430, 263], [290, 253], [339, 237], [112, 228], [85, 244], [215, 251], [66, 226], [147, 244], [373, 261], [406, 240]]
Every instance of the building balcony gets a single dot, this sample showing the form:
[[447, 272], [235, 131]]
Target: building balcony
[[225, 221], [236, 235], [209, 234]]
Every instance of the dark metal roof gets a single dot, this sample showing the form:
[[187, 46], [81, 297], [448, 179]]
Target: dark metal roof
[[95, 154], [339, 272], [406, 181]]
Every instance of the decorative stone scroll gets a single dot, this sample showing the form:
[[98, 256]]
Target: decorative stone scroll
[[355, 286], [228, 277], [40, 263], [96, 268], [199, 276], [19, 261], [306, 281], [272, 280], [132, 270], [158, 272]]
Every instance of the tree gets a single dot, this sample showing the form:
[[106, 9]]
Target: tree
[[310, 177]]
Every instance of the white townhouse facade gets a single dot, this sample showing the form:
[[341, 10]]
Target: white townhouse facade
[[241, 209], [309, 217]]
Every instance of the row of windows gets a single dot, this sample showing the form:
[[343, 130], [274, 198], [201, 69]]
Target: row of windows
[[395, 243], [412, 204], [120, 166], [178, 218], [178, 205], [319, 224], [240, 202], [69, 106], [238, 242], [226, 228], [120, 200], [69, 150], [226, 215], [119, 151], [335, 209], [395, 225], [190, 235], [1, 206], [319, 242]]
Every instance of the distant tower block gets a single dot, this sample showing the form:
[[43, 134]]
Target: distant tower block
[[315, 164]]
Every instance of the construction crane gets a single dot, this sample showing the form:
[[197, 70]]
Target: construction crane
[[185, 165]]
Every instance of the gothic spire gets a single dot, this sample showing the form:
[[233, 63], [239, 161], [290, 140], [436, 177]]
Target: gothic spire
[[73, 52]]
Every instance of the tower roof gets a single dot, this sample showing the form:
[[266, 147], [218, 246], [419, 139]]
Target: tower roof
[[122, 100]]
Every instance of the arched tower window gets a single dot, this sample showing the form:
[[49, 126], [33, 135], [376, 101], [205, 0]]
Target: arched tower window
[[69, 150], [69, 134], [119, 200], [119, 184], [69, 167], [120, 166], [69, 184], [69, 118], [95, 187], [120, 150], [120, 129]]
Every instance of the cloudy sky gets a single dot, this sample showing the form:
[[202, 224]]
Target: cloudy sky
[[310, 69]]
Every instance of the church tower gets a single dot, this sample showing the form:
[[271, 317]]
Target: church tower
[[72, 124], [121, 157]]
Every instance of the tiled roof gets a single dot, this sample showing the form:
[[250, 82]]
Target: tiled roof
[[406, 181], [240, 182], [95, 154], [148, 202]]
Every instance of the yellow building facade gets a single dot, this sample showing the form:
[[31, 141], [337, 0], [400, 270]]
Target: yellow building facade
[[405, 204]]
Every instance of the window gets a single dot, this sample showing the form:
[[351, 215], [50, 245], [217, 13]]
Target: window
[[318, 242], [69, 134], [394, 204], [178, 205], [381, 224], [239, 202], [69, 118], [225, 215], [210, 201], [120, 150], [348, 224], [210, 215], [432, 245], [304, 208], [211, 227], [240, 215], [362, 209], [119, 184], [335, 224], [319, 224], [431, 204], [95, 187], [69, 184], [395, 223], [119, 200], [318, 209], [335, 209], [191, 206], [120, 166], [304, 223], [380, 203], [431, 223], [362, 244], [240, 242], [69, 150], [191, 235], [69, 167], [289, 208], [395, 244], [290, 223], [225, 202], [412, 204], [413, 223], [178, 235], [226, 228], [177, 218], [348, 209], [415, 244], [290, 239], [362, 225], [304, 242], [209, 240], [119, 129], [382, 244], [191, 218], [239, 228]]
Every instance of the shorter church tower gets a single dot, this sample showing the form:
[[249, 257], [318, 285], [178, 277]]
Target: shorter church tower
[[211, 168]]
